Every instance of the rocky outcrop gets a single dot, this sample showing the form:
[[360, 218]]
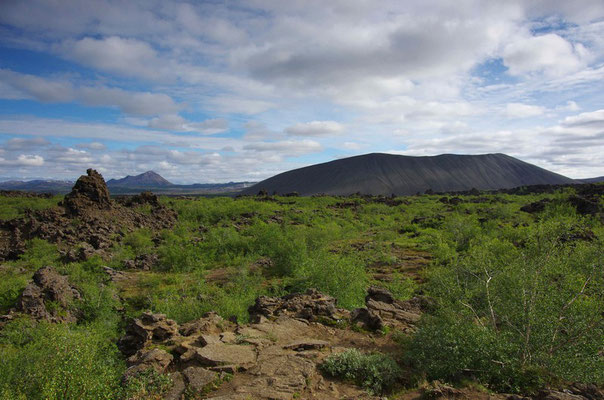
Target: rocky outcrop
[[382, 309], [536, 206], [275, 358], [143, 360], [48, 297], [144, 262], [310, 305], [144, 198], [87, 223], [576, 391], [147, 329], [89, 191]]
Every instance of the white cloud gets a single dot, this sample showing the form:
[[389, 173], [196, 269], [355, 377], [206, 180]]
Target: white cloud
[[572, 148], [29, 160], [58, 128], [315, 128], [570, 106], [135, 103], [92, 146], [399, 74], [286, 147], [352, 146], [173, 122], [62, 91], [209, 126], [589, 120], [129, 57], [44, 90], [520, 110], [239, 105], [549, 54], [25, 144]]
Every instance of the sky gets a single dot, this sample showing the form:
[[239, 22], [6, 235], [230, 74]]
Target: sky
[[218, 91]]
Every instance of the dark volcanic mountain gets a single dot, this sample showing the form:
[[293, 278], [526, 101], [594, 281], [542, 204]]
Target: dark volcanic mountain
[[147, 179], [592, 180], [387, 174]]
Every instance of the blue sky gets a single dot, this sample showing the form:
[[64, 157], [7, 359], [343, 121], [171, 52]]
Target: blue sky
[[230, 91]]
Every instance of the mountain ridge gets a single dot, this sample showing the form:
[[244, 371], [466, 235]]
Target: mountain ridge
[[386, 174], [146, 179]]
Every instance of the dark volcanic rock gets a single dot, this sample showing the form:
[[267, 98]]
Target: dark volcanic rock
[[48, 286], [140, 199], [382, 309], [144, 262], [143, 360], [536, 206], [90, 191], [86, 224], [310, 305], [584, 206], [149, 328]]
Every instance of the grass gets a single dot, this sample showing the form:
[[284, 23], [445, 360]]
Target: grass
[[224, 252]]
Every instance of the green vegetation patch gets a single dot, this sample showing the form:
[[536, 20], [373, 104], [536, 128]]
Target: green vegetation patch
[[378, 373]]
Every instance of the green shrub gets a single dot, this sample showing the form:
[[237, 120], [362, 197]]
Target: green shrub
[[146, 385], [39, 253], [139, 241], [378, 373], [46, 361], [342, 277], [508, 310]]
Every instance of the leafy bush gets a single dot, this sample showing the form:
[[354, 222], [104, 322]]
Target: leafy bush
[[511, 309], [343, 277], [139, 241], [378, 373], [45, 361], [146, 385], [39, 253]]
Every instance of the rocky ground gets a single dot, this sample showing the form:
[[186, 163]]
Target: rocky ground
[[87, 222], [278, 355], [275, 357]]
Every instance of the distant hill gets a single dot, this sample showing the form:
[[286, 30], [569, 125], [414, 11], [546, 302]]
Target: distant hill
[[592, 180], [146, 179], [385, 174], [149, 180], [38, 186]]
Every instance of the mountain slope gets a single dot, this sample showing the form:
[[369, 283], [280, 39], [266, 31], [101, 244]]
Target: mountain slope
[[147, 179], [592, 180], [387, 174]]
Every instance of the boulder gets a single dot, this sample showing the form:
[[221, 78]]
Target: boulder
[[226, 354], [382, 309], [209, 323], [281, 376], [198, 378], [149, 328], [177, 389], [156, 359], [48, 296]]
